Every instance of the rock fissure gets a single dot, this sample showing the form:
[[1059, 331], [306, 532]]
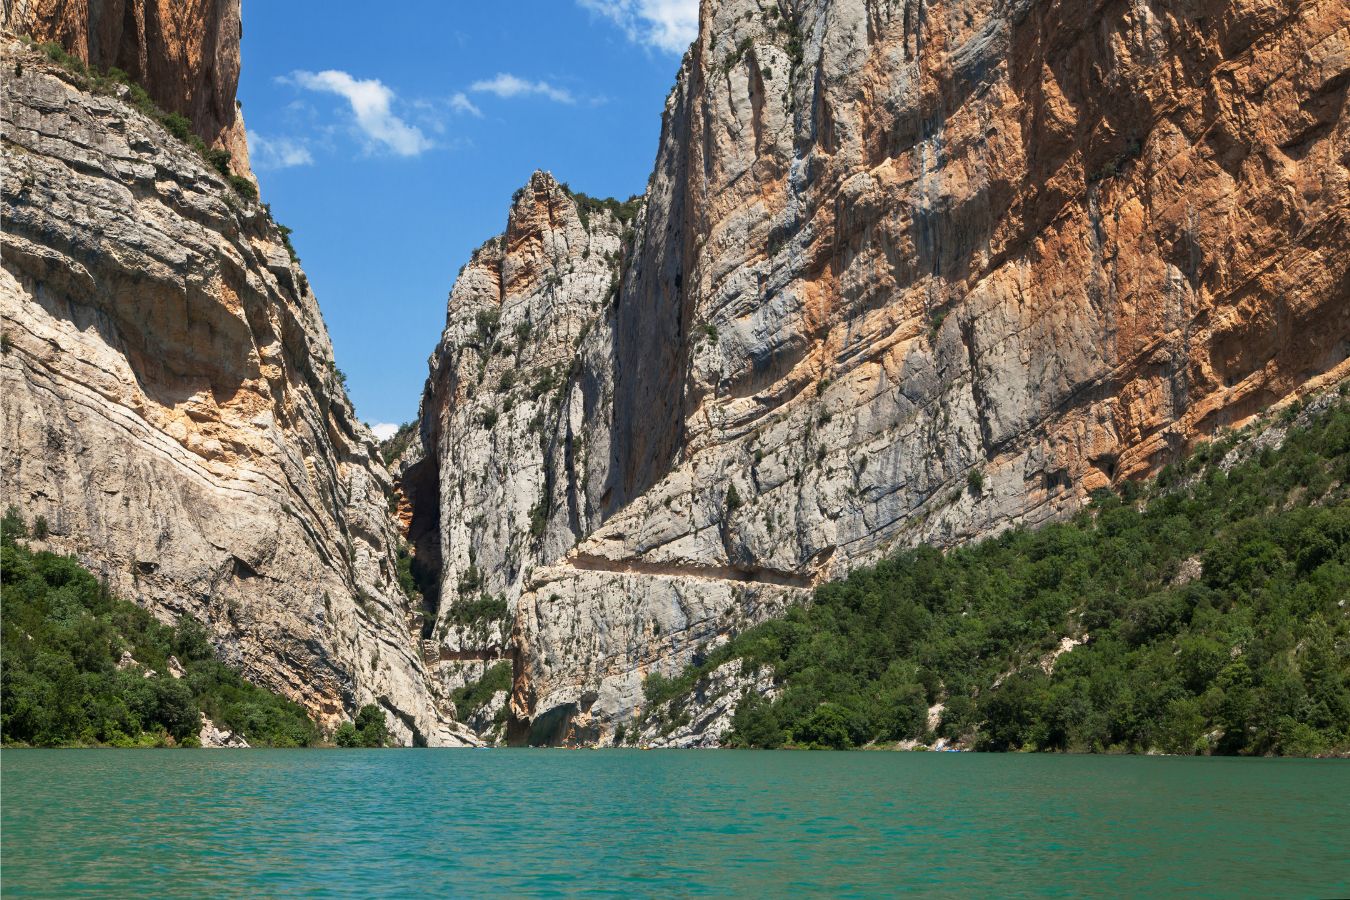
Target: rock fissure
[[760, 575]]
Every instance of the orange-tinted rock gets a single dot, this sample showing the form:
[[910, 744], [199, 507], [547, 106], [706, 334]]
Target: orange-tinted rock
[[922, 272], [185, 53], [170, 405]]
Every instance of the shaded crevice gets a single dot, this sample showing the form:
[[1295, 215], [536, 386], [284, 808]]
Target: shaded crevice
[[421, 486]]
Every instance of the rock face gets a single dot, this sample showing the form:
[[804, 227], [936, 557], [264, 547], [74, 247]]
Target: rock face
[[184, 52], [169, 403], [514, 418], [703, 718], [905, 272]]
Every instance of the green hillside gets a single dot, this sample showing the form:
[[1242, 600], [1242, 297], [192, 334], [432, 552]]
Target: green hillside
[[60, 685], [1210, 603]]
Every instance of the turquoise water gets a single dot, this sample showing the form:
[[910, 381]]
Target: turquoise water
[[522, 822]]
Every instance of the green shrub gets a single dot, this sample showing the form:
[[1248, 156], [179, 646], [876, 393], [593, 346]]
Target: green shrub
[[487, 608], [474, 694], [371, 726], [471, 580], [624, 211], [57, 54], [244, 188], [347, 736], [406, 581], [12, 526], [397, 445], [539, 516], [220, 161], [177, 125], [114, 82], [485, 324], [368, 730]]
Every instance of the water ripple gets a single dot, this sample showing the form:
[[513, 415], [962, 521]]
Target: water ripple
[[629, 823]]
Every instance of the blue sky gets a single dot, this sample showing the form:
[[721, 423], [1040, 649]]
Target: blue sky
[[390, 138]]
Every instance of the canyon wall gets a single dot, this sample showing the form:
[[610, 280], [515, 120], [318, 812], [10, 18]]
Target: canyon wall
[[185, 53], [515, 418], [169, 402], [905, 272]]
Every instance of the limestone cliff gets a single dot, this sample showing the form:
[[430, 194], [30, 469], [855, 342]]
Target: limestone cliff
[[905, 272], [169, 404], [184, 52], [515, 413]]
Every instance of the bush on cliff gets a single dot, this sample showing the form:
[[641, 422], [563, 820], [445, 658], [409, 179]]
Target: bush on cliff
[[474, 694], [1209, 605], [625, 211], [64, 636], [369, 729], [115, 82]]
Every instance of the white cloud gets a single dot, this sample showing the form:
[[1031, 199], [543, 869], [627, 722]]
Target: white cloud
[[507, 85], [277, 153], [371, 103], [384, 430], [668, 25], [461, 103]]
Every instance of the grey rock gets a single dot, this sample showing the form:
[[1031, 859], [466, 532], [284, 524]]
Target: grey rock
[[902, 275], [169, 404]]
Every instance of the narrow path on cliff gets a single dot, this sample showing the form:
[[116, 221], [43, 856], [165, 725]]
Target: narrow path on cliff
[[741, 575]]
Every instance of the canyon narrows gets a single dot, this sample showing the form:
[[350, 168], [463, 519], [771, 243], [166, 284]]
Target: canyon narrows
[[170, 404]]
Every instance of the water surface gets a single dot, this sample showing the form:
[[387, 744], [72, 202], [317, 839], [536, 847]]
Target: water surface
[[529, 822]]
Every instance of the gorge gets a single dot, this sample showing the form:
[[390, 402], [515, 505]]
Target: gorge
[[904, 273]]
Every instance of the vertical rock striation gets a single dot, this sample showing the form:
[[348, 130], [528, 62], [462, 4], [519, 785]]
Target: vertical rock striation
[[169, 404], [905, 272], [514, 417]]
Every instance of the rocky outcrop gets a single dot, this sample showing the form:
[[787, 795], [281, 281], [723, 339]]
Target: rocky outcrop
[[514, 416], [905, 272], [487, 720], [170, 405], [185, 53], [701, 718], [212, 736]]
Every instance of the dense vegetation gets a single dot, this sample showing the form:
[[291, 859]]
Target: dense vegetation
[[625, 211], [60, 684], [473, 613], [473, 695], [1211, 604], [393, 447], [369, 729]]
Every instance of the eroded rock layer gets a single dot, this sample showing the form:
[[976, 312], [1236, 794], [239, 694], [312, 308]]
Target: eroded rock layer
[[515, 416], [905, 272], [184, 52], [170, 406]]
